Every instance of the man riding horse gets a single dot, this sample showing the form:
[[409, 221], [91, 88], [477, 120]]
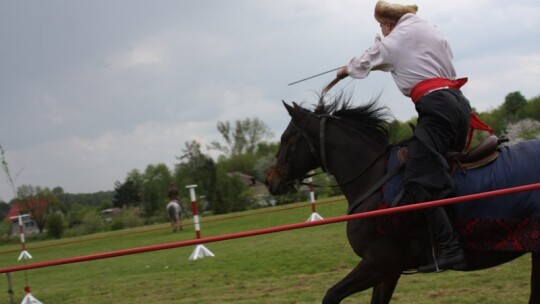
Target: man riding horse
[[419, 58], [174, 207]]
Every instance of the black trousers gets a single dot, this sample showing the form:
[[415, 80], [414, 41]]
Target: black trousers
[[443, 123]]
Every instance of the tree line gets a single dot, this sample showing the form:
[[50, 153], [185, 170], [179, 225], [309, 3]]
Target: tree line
[[245, 148]]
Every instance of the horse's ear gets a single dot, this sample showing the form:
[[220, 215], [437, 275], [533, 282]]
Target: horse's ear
[[295, 112], [288, 107]]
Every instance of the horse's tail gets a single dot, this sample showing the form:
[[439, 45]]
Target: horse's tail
[[173, 212]]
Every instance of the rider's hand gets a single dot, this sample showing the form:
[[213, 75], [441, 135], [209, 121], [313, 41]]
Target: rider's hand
[[340, 74]]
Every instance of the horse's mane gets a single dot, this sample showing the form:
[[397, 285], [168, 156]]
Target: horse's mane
[[369, 115]]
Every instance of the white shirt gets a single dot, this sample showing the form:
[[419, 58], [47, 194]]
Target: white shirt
[[414, 51]]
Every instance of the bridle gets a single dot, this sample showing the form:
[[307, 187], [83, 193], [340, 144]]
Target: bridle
[[321, 156], [283, 167]]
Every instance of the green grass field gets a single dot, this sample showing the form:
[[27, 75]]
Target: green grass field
[[286, 267]]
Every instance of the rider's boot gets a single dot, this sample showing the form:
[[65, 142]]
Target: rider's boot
[[449, 254]]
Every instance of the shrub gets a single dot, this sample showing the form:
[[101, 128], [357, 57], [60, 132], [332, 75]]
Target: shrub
[[55, 225], [92, 222], [117, 224], [130, 217], [5, 229]]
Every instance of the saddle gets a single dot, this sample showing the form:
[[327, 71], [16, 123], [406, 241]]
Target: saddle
[[482, 154]]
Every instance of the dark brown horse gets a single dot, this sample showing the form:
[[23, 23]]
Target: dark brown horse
[[352, 144]]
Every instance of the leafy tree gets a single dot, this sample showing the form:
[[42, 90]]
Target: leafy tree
[[229, 191], [4, 210], [155, 187], [58, 192], [38, 202], [244, 163], [267, 148], [196, 168], [513, 102], [95, 200], [243, 138], [530, 110], [127, 193], [76, 214], [36, 207], [262, 165], [399, 131]]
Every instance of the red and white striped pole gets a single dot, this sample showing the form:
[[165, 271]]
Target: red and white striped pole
[[25, 255], [314, 215], [200, 251]]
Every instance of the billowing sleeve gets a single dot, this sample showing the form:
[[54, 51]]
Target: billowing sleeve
[[376, 57]]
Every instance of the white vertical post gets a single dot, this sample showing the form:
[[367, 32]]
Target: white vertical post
[[314, 215], [24, 253], [200, 251]]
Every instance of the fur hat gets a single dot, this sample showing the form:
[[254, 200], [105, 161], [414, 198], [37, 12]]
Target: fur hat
[[389, 12]]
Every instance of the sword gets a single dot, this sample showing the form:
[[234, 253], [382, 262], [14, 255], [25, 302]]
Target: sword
[[314, 76]]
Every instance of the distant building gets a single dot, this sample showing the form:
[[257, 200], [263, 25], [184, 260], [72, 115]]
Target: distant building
[[108, 214], [261, 196], [30, 226]]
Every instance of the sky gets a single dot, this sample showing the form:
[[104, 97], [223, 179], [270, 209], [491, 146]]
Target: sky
[[90, 90]]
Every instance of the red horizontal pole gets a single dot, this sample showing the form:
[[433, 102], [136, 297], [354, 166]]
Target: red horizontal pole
[[211, 239]]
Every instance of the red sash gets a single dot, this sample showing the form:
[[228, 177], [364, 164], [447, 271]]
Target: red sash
[[427, 86]]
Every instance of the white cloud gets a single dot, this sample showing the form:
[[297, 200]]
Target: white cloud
[[152, 52], [49, 107], [491, 78], [83, 165]]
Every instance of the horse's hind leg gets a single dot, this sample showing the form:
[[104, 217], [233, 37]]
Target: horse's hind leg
[[535, 279], [382, 293]]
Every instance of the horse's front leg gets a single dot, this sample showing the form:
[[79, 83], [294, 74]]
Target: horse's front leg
[[365, 275]]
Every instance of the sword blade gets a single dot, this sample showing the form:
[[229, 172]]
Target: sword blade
[[308, 78]]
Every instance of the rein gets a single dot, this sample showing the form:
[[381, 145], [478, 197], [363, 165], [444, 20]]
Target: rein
[[356, 203], [322, 155], [357, 176]]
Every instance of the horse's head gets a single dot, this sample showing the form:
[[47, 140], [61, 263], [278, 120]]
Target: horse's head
[[307, 137], [297, 154]]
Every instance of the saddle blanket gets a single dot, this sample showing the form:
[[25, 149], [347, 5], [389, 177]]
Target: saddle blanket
[[508, 222]]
